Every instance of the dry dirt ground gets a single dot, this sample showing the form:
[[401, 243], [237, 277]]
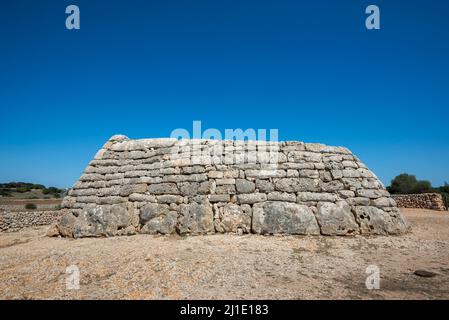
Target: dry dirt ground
[[33, 266]]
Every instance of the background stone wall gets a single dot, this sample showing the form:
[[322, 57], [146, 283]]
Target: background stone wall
[[14, 221], [432, 201], [207, 186]]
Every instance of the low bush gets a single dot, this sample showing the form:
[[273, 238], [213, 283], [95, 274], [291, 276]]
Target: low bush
[[30, 206]]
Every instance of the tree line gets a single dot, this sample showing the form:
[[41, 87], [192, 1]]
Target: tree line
[[7, 189]]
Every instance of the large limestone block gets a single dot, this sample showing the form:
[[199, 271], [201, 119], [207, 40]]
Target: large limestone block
[[232, 218], [295, 184], [373, 220], [163, 188], [336, 219], [251, 198], [245, 186], [163, 224], [195, 218], [106, 220], [153, 210], [273, 217]]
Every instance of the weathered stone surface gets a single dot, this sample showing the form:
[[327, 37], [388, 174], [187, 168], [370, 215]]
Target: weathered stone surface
[[298, 156], [129, 189], [164, 224], [274, 217], [358, 201], [336, 174], [67, 224], [199, 186], [192, 170], [316, 196], [225, 189], [336, 219], [207, 187], [263, 174], [251, 198], [295, 185], [331, 186], [169, 198], [264, 186], [199, 177], [369, 193], [163, 188], [219, 198], [245, 186], [350, 173], [346, 194], [383, 202], [309, 173], [141, 197], [281, 196], [96, 221], [195, 218], [373, 220], [215, 174], [53, 230], [152, 210], [189, 188], [232, 218]]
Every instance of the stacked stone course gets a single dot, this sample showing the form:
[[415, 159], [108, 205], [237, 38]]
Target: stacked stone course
[[15, 221], [433, 201], [161, 186]]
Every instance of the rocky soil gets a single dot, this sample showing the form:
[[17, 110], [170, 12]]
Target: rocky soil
[[33, 266]]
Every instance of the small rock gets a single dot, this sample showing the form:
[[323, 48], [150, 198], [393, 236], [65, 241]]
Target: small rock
[[424, 273], [53, 231]]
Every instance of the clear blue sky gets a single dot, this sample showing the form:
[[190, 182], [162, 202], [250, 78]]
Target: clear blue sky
[[144, 68]]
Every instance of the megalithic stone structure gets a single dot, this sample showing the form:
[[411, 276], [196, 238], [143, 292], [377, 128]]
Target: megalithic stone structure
[[165, 186]]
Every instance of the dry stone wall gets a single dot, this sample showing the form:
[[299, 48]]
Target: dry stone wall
[[433, 201], [164, 186], [16, 220]]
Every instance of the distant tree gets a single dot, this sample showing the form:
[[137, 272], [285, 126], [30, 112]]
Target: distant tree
[[403, 184], [422, 186], [407, 184], [444, 188], [53, 190]]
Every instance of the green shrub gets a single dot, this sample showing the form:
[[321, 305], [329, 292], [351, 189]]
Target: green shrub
[[408, 184], [422, 186], [53, 191], [446, 199], [444, 188], [4, 193], [403, 184], [30, 206], [23, 189]]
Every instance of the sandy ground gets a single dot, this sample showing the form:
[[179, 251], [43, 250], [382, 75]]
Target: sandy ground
[[33, 266]]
